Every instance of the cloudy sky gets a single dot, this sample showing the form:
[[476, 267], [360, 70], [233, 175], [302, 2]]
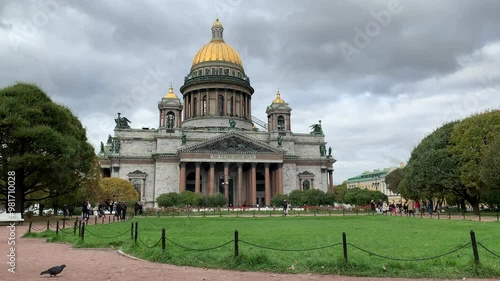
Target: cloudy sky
[[379, 74]]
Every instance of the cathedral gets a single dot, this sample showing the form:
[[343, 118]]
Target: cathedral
[[207, 140]]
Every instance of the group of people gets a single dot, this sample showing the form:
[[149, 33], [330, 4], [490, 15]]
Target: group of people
[[409, 207], [138, 209], [120, 210]]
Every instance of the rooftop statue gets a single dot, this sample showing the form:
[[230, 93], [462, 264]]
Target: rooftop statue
[[122, 122], [317, 129]]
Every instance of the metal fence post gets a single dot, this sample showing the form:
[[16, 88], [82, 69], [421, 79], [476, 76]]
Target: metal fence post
[[236, 249], [136, 229], [79, 228], [57, 227], [83, 231], [163, 240], [74, 228], [344, 243], [48, 225], [131, 230], [29, 229], [474, 246]]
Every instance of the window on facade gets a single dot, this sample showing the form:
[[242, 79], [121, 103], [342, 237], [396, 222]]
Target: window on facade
[[239, 74], [226, 71], [306, 185], [204, 105], [221, 105], [137, 186], [234, 73], [281, 123], [200, 72], [207, 71], [220, 71], [214, 71]]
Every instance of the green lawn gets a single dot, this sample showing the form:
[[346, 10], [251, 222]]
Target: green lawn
[[290, 244]]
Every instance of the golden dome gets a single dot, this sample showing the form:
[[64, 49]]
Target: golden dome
[[278, 98], [170, 94], [217, 49], [217, 23]]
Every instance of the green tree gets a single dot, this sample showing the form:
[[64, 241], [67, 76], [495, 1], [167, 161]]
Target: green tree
[[170, 199], [362, 196], [42, 145], [470, 141], [118, 189], [432, 170], [339, 192], [314, 197], [297, 198], [216, 200], [489, 169], [189, 198], [277, 200], [393, 179]]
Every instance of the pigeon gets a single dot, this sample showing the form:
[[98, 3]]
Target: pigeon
[[53, 271]]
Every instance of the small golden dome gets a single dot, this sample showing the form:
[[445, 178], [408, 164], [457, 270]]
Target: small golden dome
[[170, 94], [278, 98], [217, 23]]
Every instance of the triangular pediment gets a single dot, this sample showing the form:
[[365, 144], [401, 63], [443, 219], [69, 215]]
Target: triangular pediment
[[234, 143]]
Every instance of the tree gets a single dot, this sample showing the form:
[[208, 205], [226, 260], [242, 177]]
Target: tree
[[393, 179], [168, 199], [118, 189], [216, 200], [432, 170], [339, 192], [277, 200], [42, 145], [489, 169], [470, 141]]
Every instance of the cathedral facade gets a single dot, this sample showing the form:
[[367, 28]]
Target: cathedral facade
[[207, 140]]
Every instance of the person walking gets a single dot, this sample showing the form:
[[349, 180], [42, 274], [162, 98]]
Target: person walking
[[285, 207], [411, 208], [84, 211], [430, 207]]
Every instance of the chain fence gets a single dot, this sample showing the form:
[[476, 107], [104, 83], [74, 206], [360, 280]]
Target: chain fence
[[194, 249], [488, 250], [149, 247], [415, 259], [105, 237], [290, 250]]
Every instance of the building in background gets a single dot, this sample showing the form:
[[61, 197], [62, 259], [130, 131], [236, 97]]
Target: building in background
[[207, 140], [375, 180]]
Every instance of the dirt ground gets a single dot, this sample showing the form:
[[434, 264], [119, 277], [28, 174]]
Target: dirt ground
[[33, 256]]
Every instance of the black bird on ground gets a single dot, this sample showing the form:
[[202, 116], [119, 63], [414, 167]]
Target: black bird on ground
[[53, 271]]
